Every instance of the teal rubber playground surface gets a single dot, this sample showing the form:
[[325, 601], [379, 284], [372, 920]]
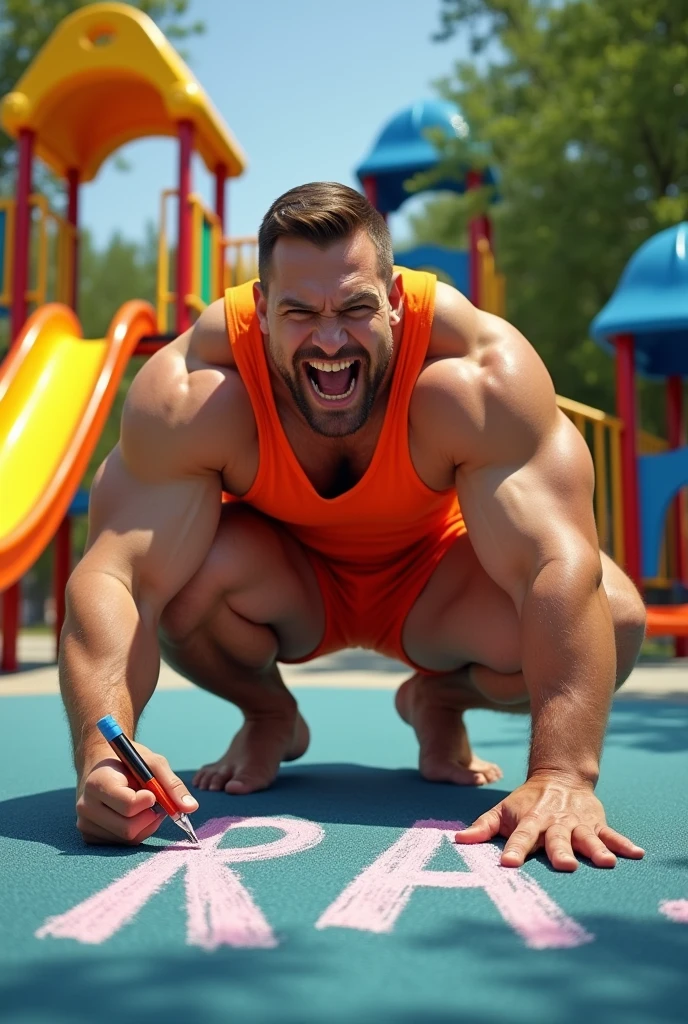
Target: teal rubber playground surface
[[289, 938]]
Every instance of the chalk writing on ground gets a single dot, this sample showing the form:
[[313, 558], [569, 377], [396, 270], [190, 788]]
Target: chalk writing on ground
[[222, 912], [675, 910]]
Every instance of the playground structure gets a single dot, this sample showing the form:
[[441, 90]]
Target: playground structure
[[106, 76], [56, 389], [402, 150], [637, 475], [645, 325]]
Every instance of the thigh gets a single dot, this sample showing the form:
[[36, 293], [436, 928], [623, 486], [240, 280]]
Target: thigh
[[462, 617], [256, 590]]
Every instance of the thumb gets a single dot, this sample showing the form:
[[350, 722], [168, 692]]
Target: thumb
[[482, 829], [172, 784]]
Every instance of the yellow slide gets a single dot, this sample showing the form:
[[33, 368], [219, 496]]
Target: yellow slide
[[56, 390]]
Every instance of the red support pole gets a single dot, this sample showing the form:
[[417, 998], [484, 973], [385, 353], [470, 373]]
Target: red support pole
[[477, 229], [62, 566], [370, 190], [371, 194], [626, 411], [184, 250], [676, 435], [73, 220], [11, 599], [10, 627], [220, 195]]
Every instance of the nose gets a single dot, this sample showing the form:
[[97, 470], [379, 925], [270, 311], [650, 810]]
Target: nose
[[329, 335]]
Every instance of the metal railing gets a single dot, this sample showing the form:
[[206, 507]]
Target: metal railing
[[240, 260], [492, 284], [602, 433], [51, 267], [52, 228]]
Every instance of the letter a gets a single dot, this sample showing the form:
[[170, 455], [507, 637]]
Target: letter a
[[220, 910], [375, 899]]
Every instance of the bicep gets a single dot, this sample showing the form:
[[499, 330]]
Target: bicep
[[524, 514], [152, 534]]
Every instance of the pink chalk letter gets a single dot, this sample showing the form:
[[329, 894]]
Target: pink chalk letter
[[675, 910], [374, 900], [220, 910]]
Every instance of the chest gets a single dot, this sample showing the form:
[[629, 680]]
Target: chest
[[332, 470]]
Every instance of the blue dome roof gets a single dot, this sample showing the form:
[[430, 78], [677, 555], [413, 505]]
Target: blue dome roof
[[651, 302], [402, 150]]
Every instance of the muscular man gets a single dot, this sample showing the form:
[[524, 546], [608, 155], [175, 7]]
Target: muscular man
[[341, 406]]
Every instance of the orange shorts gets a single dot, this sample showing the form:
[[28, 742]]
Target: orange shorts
[[366, 605]]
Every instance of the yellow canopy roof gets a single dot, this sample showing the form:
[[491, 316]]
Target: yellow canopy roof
[[105, 76]]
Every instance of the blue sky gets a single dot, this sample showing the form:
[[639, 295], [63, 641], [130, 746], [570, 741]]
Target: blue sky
[[305, 86]]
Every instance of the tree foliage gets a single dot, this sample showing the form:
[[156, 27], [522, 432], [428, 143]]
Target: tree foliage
[[583, 108], [25, 25]]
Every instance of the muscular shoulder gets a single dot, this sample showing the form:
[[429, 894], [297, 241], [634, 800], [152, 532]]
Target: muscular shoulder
[[484, 389], [187, 410]]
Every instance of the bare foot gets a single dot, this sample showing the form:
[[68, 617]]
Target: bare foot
[[434, 707], [254, 755]]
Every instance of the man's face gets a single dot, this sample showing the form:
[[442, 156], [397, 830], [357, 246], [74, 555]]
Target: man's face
[[328, 319]]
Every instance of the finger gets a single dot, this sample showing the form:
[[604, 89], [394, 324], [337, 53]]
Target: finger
[[520, 843], [482, 829], [558, 848], [122, 799], [172, 784], [119, 827], [586, 842], [617, 843], [94, 835]]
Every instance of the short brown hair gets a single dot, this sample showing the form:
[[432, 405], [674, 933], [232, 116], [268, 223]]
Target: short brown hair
[[323, 212]]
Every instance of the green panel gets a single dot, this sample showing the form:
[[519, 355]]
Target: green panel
[[206, 262], [451, 957]]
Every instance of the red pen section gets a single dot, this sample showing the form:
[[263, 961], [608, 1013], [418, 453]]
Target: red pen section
[[161, 796]]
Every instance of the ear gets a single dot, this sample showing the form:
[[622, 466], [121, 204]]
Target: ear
[[396, 299], [261, 301]]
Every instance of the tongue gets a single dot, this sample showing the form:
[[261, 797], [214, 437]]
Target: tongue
[[335, 382]]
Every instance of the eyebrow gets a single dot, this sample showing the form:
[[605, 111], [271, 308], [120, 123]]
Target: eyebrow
[[352, 300]]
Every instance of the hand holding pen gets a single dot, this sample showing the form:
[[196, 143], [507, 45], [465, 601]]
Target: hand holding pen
[[113, 806]]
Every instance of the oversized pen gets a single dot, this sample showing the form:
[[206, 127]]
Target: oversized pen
[[129, 755]]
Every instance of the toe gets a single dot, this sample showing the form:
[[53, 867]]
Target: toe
[[447, 771], [218, 776], [246, 782], [252, 776], [492, 772]]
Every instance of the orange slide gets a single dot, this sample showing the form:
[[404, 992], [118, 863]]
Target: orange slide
[[56, 390]]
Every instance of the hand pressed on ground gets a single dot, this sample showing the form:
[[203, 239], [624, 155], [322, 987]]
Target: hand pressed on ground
[[557, 812]]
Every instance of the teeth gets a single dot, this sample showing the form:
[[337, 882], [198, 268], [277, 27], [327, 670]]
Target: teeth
[[331, 367], [334, 398]]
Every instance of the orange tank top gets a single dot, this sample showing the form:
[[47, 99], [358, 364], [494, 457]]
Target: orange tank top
[[390, 510]]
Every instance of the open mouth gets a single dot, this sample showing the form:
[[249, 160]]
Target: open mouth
[[333, 380]]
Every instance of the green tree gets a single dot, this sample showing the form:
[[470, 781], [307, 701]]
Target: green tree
[[583, 108], [25, 25]]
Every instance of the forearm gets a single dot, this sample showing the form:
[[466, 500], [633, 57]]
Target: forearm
[[569, 665], [109, 660]]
